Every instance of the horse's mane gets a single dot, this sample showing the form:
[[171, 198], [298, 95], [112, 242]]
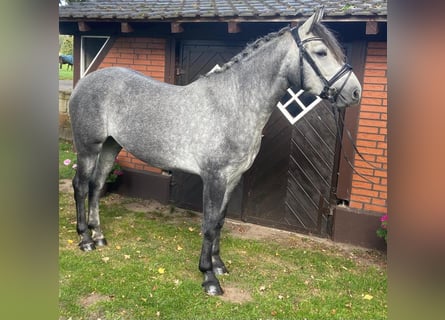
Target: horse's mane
[[251, 48], [319, 30]]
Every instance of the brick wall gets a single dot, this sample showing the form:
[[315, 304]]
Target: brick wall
[[372, 135], [147, 56]]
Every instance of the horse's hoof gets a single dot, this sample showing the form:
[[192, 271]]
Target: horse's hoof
[[220, 270], [213, 289], [87, 246], [101, 242]]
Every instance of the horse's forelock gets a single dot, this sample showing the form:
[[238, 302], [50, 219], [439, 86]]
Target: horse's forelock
[[330, 41]]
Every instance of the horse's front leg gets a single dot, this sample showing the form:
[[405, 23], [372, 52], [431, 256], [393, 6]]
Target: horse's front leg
[[213, 197], [219, 267]]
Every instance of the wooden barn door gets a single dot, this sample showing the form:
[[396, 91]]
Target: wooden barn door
[[289, 184], [196, 58]]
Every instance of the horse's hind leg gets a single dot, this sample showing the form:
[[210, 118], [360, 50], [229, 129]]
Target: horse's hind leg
[[104, 165], [85, 167]]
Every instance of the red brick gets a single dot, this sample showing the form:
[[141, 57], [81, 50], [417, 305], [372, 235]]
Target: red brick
[[378, 59], [366, 192], [371, 101], [382, 188], [374, 87], [374, 180], [377, 109], [381, 159], [376, 80], [366, 143], [380, 173], [368, 136], [360, 184], [376, 65], [370, 115], [377, 52], [377, 45], [372, 123], [375, 94], [152, 169], [374, 73], [362, 199], [368, 130]]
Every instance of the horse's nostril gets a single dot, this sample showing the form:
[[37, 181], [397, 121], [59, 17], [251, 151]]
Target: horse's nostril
[[356, 94]]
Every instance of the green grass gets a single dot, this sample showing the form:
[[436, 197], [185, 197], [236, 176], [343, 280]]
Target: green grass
[[66, 152], [149, 270], [65, 74]]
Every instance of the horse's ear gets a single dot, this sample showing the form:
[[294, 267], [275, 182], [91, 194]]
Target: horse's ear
[[306, 27]]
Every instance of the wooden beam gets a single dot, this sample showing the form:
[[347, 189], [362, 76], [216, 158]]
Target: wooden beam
[[372, 27], [176, 27], [83, 26], [234, 27], [126, 27]]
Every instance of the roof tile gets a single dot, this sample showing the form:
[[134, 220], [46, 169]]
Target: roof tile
[[208, 9]]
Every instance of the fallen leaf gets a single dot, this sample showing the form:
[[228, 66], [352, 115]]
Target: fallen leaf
[[161, 270], [191, 229], [127, 256], [105, 259], [367, 297], [262, 288], [70, 241], [179, 248], [118, 247], [158, 313]]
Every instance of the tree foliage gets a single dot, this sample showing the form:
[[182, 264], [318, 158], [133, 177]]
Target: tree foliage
[[65, 44]]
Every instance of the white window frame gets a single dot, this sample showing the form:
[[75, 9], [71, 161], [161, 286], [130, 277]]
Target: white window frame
[[83, 70]]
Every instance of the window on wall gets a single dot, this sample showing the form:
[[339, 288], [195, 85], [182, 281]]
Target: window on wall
[[90, 47]]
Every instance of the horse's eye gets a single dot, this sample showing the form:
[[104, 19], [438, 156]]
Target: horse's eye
[[321, 53]]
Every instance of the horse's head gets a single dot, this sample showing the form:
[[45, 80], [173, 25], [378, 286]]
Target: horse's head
[[323, 70]]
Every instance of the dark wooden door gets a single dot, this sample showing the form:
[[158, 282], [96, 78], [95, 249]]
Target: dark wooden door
[[289, 184]]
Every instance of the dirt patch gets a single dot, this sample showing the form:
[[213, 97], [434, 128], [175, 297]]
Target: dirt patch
[[146, 206], [235, 295], [92, 299], [65, 185]]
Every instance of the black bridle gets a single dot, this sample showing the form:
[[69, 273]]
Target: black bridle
[[329, 92]]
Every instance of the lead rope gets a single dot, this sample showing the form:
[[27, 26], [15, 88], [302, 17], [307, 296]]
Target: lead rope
[[337, 117]]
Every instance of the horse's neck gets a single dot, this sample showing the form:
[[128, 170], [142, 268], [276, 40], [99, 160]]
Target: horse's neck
[[259, 81]]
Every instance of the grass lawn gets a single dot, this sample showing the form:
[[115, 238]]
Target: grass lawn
[[149, 269], [65, 74]]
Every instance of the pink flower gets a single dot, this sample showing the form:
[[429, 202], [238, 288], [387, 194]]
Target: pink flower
[[118, 172], [67, 162], [384, 218]]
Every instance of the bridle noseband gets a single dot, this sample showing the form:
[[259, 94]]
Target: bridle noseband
[[329, 92]]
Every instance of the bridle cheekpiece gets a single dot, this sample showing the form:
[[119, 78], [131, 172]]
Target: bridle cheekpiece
[[329, 92]]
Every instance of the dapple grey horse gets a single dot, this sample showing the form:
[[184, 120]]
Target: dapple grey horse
[[211, 127]]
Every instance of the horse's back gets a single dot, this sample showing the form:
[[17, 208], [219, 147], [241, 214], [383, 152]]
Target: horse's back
[[142, 114]]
